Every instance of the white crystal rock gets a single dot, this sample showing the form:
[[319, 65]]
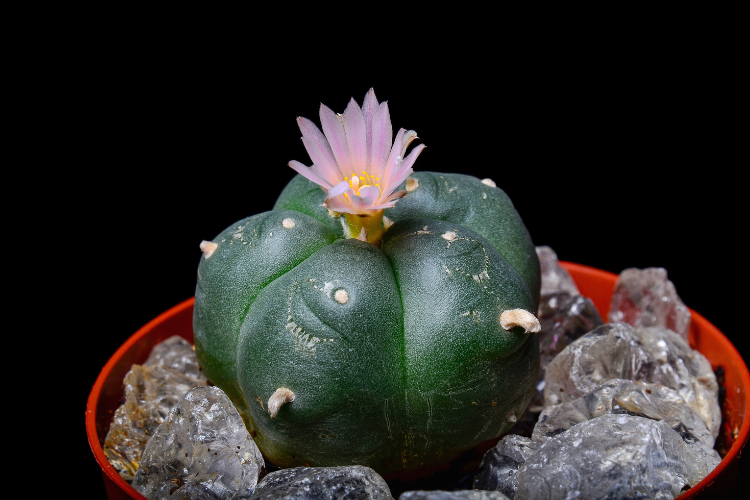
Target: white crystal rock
[[201, 450], [150, 394], [354, 481], [178, 354], [609, 351], [500, 465], [645, 297], [652, 355], [452, 495], [563, 319], [619, 396], [555, 278], [613, 457], [685, 370]]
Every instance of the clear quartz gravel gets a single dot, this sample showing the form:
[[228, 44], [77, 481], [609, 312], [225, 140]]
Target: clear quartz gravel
[[563, 319], [500, 464], [201, 450], [653, 355], [452, 495], [612, 456], [313, 483], [555, 278], [150, 394], [564, 316], [619, 396], [645, 297], [177, 354]]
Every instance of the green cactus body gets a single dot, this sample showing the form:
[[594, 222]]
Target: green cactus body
[[395, 356]]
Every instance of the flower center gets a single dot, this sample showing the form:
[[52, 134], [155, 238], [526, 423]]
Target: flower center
[[359, 181]]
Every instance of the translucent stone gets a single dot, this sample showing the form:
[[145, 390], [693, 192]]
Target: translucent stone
[[178, 354], [150, 394], [685, 370], [555, 279], [608, 352], [355, 481], [633, 398], [500, 465], [645, 297], [452, 495], [563, 319], [613, 457], [201, 450], [652, 355]]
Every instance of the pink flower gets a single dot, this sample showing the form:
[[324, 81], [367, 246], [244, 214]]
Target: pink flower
[[354, 162]]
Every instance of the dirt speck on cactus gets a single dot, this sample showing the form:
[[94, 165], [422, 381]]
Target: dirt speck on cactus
[[281, 396], [520, 317], [208, 248], [287, 223]]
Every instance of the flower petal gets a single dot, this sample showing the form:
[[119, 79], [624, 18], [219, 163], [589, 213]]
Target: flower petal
[[404, 169], [339, 189], [382, 206], [339, 204], [309, 174], [322, 160], [411, 158], [356, 134], [334, 131], [406, 140], [332, 178], [396, 195], [369, 105], [382, 136], [371, 192], [360, 203], [317, 145], [391, 165]]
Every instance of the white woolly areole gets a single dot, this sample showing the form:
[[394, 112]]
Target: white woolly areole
[[449, 235], [520, 317], [341, 296], [287, 223], [387, 222], [489, 182], [281, 396], [208, 247], [411, 184]]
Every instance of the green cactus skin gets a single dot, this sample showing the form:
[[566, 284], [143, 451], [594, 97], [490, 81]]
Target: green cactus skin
[[395, 355]]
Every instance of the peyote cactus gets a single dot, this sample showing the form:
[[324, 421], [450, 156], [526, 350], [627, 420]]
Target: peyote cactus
[[351, 329]]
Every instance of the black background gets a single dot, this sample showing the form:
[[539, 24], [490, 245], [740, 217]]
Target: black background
[[616, 157]]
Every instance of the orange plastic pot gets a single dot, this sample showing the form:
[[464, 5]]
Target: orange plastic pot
[[593, 283]]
